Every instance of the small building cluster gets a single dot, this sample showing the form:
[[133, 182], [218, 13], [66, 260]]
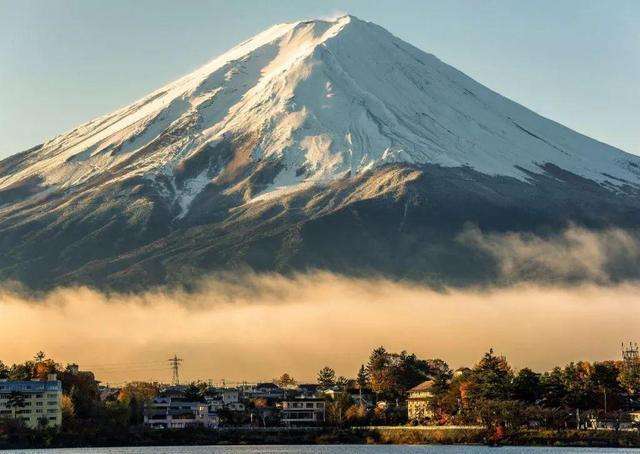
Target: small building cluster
[[259, 405]]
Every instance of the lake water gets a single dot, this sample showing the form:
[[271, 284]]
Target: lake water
[[332, 449]]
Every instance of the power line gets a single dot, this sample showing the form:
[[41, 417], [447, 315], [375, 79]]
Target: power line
[[123, 364], [126, 369]]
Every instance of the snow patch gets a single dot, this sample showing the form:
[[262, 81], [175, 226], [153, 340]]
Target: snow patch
[[191, 189]]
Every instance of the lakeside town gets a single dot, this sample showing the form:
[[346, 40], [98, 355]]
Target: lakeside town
[[390, 398]]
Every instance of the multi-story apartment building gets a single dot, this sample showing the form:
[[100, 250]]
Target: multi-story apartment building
[[35, 402], [304, 411], [178, 413]]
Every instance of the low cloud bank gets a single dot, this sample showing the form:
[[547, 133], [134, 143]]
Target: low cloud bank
[[559, 300], [578, 254], [258, 326]]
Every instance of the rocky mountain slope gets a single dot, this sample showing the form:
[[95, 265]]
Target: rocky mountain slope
[[316, 144]]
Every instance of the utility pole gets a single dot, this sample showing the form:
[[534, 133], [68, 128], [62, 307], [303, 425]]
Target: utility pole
[[175, 365]]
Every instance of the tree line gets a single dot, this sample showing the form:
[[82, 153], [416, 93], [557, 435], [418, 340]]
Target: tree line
[[494, 394], [491, 393]]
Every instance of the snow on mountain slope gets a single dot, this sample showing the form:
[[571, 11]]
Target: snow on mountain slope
[[323, 99]]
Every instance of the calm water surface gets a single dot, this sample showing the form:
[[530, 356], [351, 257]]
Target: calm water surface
[[334, 449]]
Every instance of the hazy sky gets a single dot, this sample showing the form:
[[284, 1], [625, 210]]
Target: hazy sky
[[65, 62]]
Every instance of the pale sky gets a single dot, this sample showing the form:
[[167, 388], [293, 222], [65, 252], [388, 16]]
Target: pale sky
[[63, 63]]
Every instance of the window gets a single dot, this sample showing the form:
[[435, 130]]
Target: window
[[39, 404], [52, 410], [310, 405], [52, 402]]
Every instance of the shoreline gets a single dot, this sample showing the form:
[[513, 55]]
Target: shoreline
[[384, 435]]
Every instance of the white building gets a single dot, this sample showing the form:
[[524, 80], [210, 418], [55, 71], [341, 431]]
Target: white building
[[266, 390], [35, 402], [228, 398], [235, 406], [230, 395], [418, 402], [178, 413], [303, 412], [359, 397], [215, 403]]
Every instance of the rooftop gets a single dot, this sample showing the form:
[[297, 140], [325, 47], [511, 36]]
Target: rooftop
[[424, 386]]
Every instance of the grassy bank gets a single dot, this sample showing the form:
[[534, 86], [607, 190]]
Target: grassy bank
[[422, 435], [541, 437], [578, 438]]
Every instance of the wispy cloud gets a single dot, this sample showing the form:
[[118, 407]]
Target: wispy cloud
[[577, 254], [333, 15]]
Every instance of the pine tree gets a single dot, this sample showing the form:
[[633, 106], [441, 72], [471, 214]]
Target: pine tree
[[326, 377], [363, 378]]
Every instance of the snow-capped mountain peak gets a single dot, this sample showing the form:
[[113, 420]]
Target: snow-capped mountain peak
[[322, 144], [317, 100]]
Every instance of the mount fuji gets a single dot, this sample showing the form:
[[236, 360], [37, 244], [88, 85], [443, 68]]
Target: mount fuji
[[323, 144]]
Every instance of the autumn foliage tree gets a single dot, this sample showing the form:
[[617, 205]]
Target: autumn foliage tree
[[337, 408], [630, 378], [391, 375], [135, 395]]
